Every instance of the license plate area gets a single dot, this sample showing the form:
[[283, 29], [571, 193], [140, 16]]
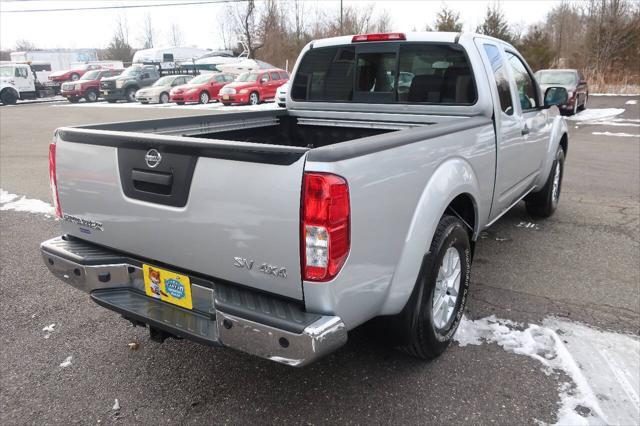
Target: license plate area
[[225, 97], [167, 286]]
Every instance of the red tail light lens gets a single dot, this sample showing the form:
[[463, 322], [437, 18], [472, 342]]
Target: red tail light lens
[[53, 180], [325, 226], [378, 37]]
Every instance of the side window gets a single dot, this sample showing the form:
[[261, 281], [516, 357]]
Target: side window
[[284, 75], [524, 83], [497, 65], [275, 76], [264, 77]]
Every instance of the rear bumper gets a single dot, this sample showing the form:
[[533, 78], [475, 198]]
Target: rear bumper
[[222, 315]]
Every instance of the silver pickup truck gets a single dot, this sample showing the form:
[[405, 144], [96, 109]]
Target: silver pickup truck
[[276, 232]]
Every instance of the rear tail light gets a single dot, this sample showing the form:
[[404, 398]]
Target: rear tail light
[[53, 181], [325, 226], [378, 37]]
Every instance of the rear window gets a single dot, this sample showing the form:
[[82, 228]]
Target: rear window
[[415, 73]]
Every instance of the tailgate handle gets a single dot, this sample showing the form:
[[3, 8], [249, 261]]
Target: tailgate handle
[[156, 178]]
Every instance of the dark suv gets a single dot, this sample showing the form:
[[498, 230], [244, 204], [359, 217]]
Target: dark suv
[[570, 79], [125, 86]]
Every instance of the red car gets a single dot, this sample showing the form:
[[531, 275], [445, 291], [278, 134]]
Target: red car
[[200, 89], [88, 86], [253, 87], [73, 74]]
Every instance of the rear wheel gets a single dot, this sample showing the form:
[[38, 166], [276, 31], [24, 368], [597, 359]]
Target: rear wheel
[[254, 99], [130, 94], [434, 311], [164, 98], [91, 96], [8, 97], [204, 98], [544, 202]]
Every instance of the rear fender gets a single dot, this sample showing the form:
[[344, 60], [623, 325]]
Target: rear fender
[[452, 178]]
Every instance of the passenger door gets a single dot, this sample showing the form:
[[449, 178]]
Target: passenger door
[[216, 84], [512, 169], [23, 79], [263, 83]]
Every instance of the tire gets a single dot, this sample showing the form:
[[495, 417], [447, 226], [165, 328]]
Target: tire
[[91, 96], [8, 97], [74, 76], [254, 98], [203, 98], [180, 103], [584, 104], [424, 332], [130, 94], [163, 98], [282, 105], [545, 202]]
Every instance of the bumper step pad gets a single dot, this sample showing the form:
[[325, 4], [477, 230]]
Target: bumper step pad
[[134, 305]]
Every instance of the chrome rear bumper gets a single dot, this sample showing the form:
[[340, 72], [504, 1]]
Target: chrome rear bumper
[[267, 327]]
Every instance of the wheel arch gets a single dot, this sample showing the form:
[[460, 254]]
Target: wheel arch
[[452, 189], [10, 89]]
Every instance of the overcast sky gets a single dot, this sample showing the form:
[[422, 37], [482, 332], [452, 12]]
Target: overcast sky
[[199, 22]]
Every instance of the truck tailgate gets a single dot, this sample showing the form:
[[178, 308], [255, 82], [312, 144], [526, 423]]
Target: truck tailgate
[[229, 210]]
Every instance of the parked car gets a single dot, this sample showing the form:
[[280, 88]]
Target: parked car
[[158, 92], [570, 79], [125, 85], [276, 232], [73, 74], [281, 95], [88, 86], [253, 87], [201, 89]]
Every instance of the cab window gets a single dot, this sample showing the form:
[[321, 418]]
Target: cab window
[[274, 76], [524, 83], [500, 76], [21, 72]]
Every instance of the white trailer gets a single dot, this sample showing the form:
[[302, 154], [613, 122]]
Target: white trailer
[[60, 59]]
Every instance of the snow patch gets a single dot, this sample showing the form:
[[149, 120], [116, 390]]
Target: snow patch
[[622, 135], [66, 362], [48, 330], [604, 367], [116, 405], [14, 202], [528, 225], [596, 114], [614, 94], [631, 102]]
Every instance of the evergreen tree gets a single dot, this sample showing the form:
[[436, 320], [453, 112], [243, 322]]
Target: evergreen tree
[[536, 48], [448, 20], [495, 24]]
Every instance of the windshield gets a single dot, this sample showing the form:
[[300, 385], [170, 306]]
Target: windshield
[[203, 78], [165, 81], [91, 75], [563, 78], [248, 76], [6, 71], [131, 72]]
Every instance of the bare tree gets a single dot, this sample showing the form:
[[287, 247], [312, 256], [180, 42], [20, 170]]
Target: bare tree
[[148, 32], [24, 45], [119, 48], [175, 35], [243, 16]]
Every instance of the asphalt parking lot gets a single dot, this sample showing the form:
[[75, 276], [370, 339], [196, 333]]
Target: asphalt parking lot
[[579, 267]]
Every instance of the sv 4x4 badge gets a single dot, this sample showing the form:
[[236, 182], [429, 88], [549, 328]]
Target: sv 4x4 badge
[[276, 271]]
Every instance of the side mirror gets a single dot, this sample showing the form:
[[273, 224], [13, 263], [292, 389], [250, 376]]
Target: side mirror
[[263, 81], [555, 96]]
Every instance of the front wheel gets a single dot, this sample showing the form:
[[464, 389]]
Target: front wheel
[[164, 98], [254, 99], [434, 311], [8, 97], [545, 202], [130, 94]]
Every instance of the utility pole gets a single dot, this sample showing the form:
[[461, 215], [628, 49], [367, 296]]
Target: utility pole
[[341, 29]]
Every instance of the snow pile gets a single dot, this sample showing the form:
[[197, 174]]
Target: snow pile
[[14, 202], [48, 330], [66, 362], [622, 135], [631, 102], [596, 114], [604, 367]]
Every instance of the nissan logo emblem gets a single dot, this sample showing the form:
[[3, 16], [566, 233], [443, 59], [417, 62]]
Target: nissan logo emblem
[[153, 158]]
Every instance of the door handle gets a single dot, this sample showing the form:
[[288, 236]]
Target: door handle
[[525, 130]]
